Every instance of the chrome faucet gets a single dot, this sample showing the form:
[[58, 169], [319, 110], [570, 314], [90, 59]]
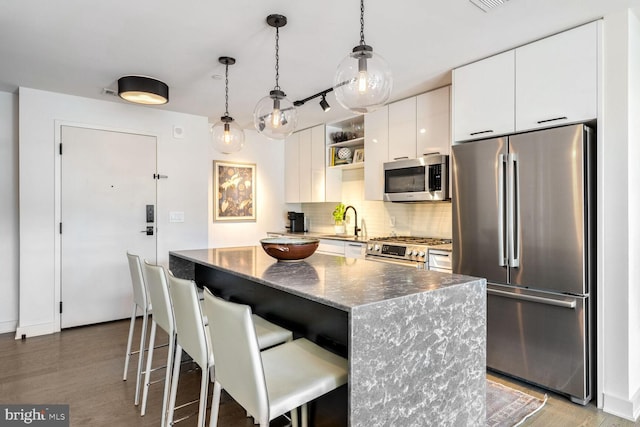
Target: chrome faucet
[[344, 217]]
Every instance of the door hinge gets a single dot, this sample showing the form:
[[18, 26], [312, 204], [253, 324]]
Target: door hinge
[[61, 148], [60, 228], [60, 307], [158, 176]]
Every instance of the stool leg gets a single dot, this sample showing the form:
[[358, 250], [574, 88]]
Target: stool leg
[[174, 383], [147, 374], [167, 379], [294, 417], [202, 406], [143, 336], [304, 415], [129, 341], [215, 405]]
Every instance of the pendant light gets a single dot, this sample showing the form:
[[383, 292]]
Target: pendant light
[[275, 116], [227, 136], [363, 80]]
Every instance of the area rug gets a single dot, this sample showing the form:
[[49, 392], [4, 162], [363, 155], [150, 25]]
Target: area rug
[[507, 407]]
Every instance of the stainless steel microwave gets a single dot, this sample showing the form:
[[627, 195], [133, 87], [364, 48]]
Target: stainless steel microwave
[[423, 179]]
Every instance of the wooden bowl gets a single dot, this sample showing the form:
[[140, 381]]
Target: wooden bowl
[[289, 248]]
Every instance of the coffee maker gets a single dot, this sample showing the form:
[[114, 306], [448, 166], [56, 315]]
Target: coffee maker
[[296, 222]]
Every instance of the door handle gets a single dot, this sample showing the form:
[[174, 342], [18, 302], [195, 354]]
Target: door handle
[[514, 211], [502, 256], [532, 298], [149, 230]]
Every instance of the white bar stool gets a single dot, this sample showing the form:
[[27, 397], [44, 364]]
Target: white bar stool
[[269, 383]]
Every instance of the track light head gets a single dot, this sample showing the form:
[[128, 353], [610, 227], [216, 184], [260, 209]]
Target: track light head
[[324, 104]]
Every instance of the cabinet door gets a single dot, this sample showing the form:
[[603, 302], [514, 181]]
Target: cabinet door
[[291, 169], [402, 129], [376, 146], [304, 172], [317, 170], [433, 124], [484, 98], [557, 79]]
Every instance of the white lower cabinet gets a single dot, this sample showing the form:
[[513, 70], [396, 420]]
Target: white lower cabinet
[[330, 246]]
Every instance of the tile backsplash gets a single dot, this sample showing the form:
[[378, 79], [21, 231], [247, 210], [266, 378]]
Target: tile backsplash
[[431, 219]]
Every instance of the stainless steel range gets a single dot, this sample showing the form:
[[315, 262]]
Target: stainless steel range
[[406, 250]]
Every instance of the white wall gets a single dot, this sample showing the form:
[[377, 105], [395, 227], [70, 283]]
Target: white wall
[[185, 161], [268, 156], [9, 244], [619, 282]]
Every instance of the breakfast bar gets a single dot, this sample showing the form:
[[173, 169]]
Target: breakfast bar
[[415, 339]]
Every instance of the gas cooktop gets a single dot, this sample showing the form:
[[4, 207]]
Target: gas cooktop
[[411, 240]]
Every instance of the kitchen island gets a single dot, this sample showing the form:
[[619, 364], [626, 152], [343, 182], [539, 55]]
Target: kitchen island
[[415, 339]]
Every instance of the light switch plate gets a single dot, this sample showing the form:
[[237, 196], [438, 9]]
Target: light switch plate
[[176, 216]]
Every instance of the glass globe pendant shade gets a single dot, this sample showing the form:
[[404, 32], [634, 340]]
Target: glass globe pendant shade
[[363, 80], [275, 116], [227, 136]]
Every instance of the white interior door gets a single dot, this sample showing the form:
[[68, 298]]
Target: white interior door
[[107, 181]]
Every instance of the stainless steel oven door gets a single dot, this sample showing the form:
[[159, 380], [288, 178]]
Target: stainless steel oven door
[[406, 263]]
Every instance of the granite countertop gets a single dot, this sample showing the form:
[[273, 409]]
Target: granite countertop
[[343, 283], [347, 238]]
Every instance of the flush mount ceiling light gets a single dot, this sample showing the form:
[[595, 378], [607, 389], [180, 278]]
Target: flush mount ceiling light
[[143, 90], [227, 136], [275, 116], [363, 80], [486, 5]]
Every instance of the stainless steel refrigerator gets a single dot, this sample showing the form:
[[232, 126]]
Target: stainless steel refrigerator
[[522, 218]]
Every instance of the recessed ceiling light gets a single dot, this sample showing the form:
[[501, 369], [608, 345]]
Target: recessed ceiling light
[[487, 5]]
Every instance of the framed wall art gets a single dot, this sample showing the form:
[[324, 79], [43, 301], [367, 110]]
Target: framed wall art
[[234, 188]]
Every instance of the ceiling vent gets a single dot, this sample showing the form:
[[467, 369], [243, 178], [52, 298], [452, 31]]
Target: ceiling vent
[[487, 5]]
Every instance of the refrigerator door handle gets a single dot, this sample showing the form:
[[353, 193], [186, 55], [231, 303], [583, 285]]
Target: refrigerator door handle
[[502, 165], [514, 211], [532, 298]]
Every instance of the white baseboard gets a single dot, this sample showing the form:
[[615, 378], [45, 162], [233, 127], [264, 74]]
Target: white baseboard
[[35, 330], [628, 409], [9, 326]]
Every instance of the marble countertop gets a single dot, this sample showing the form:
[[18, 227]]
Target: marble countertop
[[343, 283]]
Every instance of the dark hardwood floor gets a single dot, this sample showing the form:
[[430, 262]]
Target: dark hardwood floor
[[83, 367]]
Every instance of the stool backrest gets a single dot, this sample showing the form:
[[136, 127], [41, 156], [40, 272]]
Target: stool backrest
[[137, 280], [160, 298], [190, 329], [237, 354]]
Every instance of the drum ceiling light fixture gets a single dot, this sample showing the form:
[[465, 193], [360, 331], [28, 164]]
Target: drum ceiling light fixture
[[143, 90]]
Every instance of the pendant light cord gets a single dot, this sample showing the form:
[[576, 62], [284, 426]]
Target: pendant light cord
[[277, 87], [362, 43], [226, 90]]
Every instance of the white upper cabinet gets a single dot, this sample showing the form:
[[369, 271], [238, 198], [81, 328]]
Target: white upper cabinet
[[557, 79], [291, 169], [304, 165], [433, 124], [484, 98], [376, 145], [305, 177], [402, 129]]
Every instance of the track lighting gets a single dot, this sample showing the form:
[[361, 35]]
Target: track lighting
[[324, 104]]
